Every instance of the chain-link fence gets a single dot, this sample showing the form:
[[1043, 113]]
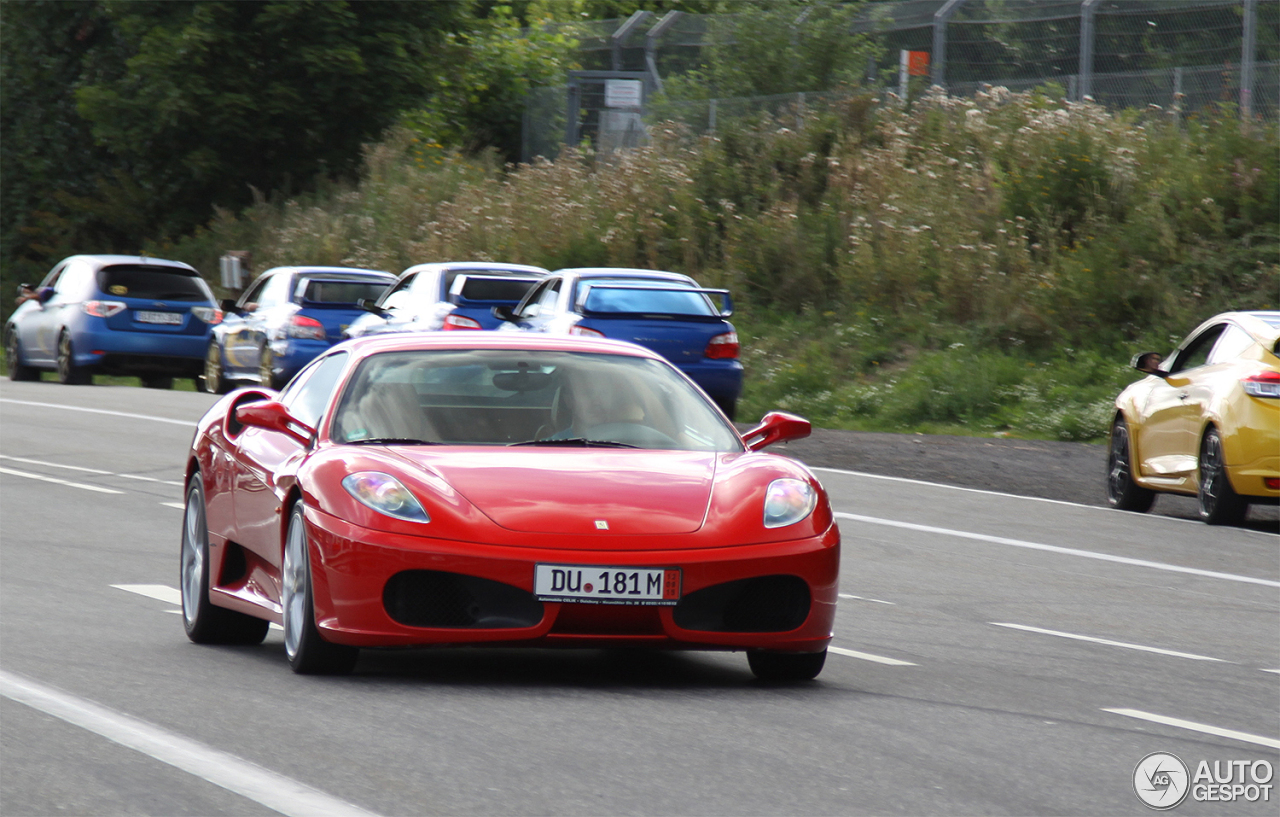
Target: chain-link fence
[[1183, 55]]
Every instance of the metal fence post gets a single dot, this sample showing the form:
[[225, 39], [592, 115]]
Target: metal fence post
[[651, 45], [1248, 51], [1087, 10], [619, 37], [940, 20], [711, 117]]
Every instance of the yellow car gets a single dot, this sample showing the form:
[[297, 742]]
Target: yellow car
[[1205, 422]]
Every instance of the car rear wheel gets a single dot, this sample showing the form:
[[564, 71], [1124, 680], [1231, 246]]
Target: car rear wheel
[[1219, 503], [1122, 492], [308, 652], [213, 381], [69, 374], [266, 366], [786, 666], [204, 622], [155, 382], [13, 360]]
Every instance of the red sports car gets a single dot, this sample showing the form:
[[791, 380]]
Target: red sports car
[[468, 488]]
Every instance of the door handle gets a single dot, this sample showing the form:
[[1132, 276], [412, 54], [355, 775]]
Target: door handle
[[1183, 395]]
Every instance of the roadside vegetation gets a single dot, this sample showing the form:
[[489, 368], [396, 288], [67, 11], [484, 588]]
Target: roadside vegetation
[[963, 266]]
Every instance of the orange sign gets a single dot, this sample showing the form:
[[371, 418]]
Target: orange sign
[[918, 63]]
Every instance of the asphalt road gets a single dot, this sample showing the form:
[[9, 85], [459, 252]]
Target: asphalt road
[[996, 654]]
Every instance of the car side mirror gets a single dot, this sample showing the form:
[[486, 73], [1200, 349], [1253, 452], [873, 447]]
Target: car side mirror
[[370, 305], [1148, 363], [228, 306], [503, 313], [44, 294], [273, 416], [777, 427]]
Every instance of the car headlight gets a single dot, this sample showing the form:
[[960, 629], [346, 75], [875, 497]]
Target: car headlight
[[385, 494], [787, 502]]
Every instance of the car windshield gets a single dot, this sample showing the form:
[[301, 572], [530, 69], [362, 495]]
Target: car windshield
[[653, 297], [342, 292], [527, 397], [154, 282]]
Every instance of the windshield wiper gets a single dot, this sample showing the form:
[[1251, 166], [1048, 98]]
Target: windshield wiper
[[392, 441], [581, 442]]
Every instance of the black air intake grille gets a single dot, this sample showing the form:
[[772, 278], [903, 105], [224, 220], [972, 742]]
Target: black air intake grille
[[432, 598], [764, 604]]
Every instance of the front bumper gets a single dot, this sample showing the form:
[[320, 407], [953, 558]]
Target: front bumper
[[351, 568]]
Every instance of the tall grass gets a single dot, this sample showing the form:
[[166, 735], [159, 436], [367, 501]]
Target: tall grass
[[981, 264]]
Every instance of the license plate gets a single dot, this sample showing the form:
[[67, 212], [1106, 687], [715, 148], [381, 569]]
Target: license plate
[[144, 316], [581, 584]]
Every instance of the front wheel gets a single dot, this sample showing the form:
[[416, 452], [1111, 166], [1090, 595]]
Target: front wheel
[[1122, 492], [204, 622], [308, 652], [13, 358], [786, 667], [1219, 503], [69, 374]]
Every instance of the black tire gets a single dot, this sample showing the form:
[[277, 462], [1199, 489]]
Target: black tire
[[69, 374], [213, 381], [13, 359], [306, 649], [786, 667], [157, 382], [729, 407], [266, 365], [1122, 492], [1219, 503], [204, 622]]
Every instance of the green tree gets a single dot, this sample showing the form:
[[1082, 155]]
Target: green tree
[[219, 98]]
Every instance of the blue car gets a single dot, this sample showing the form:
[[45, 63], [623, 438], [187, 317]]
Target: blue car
[[284, 320], [663, 311], [112, 314], [447, 296]]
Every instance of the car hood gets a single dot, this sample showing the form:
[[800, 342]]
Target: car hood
[[534, 489]]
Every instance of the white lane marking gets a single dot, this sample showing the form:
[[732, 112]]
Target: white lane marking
[[80, 485], [177, 505], [953, 487], [1087, 554], [864, 598], [153, 591], [1276, 671], [235, 774], [100, 411], [148, 479], [866, 656], [88, 470], [1260, 740], [55, 465], [1108, 642]]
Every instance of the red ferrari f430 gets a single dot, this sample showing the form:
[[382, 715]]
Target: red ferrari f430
[[503, 489]]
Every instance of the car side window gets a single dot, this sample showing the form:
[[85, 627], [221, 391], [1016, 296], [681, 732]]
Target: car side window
[[276, 291], [51, 280], [529, 308], [1196, 353], [254, 293], [307, 397], [398, 296], [1231, 344], [76, 282]]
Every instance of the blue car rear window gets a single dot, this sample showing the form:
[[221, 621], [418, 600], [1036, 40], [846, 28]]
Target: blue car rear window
[[156, 283], [655, 301], [343, 292], [493, 289]]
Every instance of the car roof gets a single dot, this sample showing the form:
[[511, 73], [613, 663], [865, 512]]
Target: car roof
[[624, 272], [356, 272], [1264, 325], [480, 265], [411, 341], [100, 261]]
